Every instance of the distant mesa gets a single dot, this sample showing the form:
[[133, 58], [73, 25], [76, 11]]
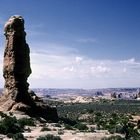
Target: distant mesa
[[16, 70]]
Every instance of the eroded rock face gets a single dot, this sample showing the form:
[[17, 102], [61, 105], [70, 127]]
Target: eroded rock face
[[16, 66], [16, 70]]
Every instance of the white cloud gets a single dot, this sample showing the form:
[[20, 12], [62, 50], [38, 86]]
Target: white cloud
[[68, 69], [78, 59], [63, 70], [52, 48], [100, 69], [124, 70], [129, 61], [60, 66]]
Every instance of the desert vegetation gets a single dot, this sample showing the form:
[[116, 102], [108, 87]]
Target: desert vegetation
[[115, 116], [13, 127], [49, 137]]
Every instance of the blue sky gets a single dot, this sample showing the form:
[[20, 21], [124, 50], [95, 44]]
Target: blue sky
[[79, 43]]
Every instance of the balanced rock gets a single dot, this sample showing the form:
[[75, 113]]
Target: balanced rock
[[16, 70]]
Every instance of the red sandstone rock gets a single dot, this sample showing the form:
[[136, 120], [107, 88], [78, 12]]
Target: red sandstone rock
[[16, 66], [16, 70]]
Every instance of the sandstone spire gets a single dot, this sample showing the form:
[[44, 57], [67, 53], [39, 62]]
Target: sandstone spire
[[16, 70], [16, 66]]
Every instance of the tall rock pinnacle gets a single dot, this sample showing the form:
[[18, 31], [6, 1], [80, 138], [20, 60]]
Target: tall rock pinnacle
[[16, 67], [16, 70]]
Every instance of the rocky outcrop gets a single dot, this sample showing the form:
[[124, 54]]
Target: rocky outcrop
[[16, 70], [16, 66]]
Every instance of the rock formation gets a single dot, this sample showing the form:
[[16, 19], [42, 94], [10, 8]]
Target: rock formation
[[16, 70]]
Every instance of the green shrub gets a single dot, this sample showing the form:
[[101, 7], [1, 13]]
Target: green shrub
[[68, 127], [60, 132], [119, 129], [92, 129], [18, 136], [3, 115], [49, 137], [138, 124], [131, 132], [9, 125], [26, 121], [113, 138], [81, 126], [57, 125], [10, 135], [45, 129]]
